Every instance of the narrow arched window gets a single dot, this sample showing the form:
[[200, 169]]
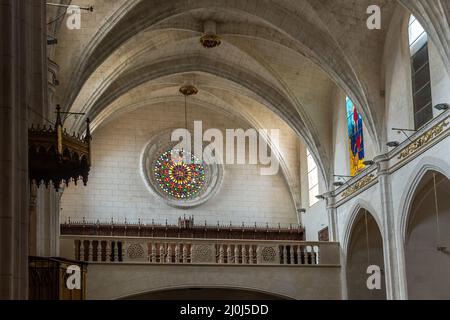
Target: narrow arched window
[[313, 179], [420, 73]]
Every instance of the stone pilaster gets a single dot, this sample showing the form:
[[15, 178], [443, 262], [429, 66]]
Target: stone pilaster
[[332, 219], [391, 246], [21, 84]]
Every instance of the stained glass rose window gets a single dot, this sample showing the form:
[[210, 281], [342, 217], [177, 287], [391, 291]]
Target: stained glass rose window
[[177, 178], [181, 180]]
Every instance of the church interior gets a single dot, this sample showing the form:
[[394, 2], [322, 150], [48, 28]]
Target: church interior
[[225, 150]]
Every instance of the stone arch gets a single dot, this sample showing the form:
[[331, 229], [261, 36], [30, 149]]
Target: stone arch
[[427, 252], [425, 165], [128, 280], [276, 100], [247, 117], [354, 212], [422, 169], [364, 249], [212, 294]]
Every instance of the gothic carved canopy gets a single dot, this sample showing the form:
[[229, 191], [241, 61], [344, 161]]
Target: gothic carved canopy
[[54, 156]]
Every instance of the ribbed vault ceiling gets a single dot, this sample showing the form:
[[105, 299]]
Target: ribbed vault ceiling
[[286, 56]]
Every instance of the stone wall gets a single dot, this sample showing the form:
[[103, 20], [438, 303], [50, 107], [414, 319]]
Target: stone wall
[[116, 188], [115, 281]]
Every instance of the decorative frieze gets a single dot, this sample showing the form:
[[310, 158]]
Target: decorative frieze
[[358, 185], [425, 139]]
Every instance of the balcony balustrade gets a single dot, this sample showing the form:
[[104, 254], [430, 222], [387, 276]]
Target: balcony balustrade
[[97, 249]]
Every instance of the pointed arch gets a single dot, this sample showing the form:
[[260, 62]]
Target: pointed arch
[[364, 249], [354, 212], [425, 165]]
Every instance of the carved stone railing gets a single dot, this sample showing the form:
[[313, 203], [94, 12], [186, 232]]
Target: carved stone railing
[[199, 251]]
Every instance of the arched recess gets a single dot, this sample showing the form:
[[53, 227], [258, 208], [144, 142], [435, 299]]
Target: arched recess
[[206, 293], [365, 248], [427, 240], [110, 113]]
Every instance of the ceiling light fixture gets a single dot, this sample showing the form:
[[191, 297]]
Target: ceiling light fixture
[[342, 180], [338, 184], [210, 39], [393, 144]]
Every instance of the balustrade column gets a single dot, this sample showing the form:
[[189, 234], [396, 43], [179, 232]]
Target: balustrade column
[[185, 253], [250, 253], [291, 251], [169, 253], [90, 251], [108, 251], [317, 250], [153, 253], [161, 253], [82, 256], [116, 251], [229, 253], [236, 254], [221, 254], [244, 254], [177, 253]]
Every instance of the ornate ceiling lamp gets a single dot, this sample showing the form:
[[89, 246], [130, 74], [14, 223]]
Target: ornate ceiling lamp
[[54, 156], [188, 90], [210, 39]]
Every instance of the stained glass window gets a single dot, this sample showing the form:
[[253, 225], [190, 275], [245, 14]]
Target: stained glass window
[[178, 179], [356, 139]]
